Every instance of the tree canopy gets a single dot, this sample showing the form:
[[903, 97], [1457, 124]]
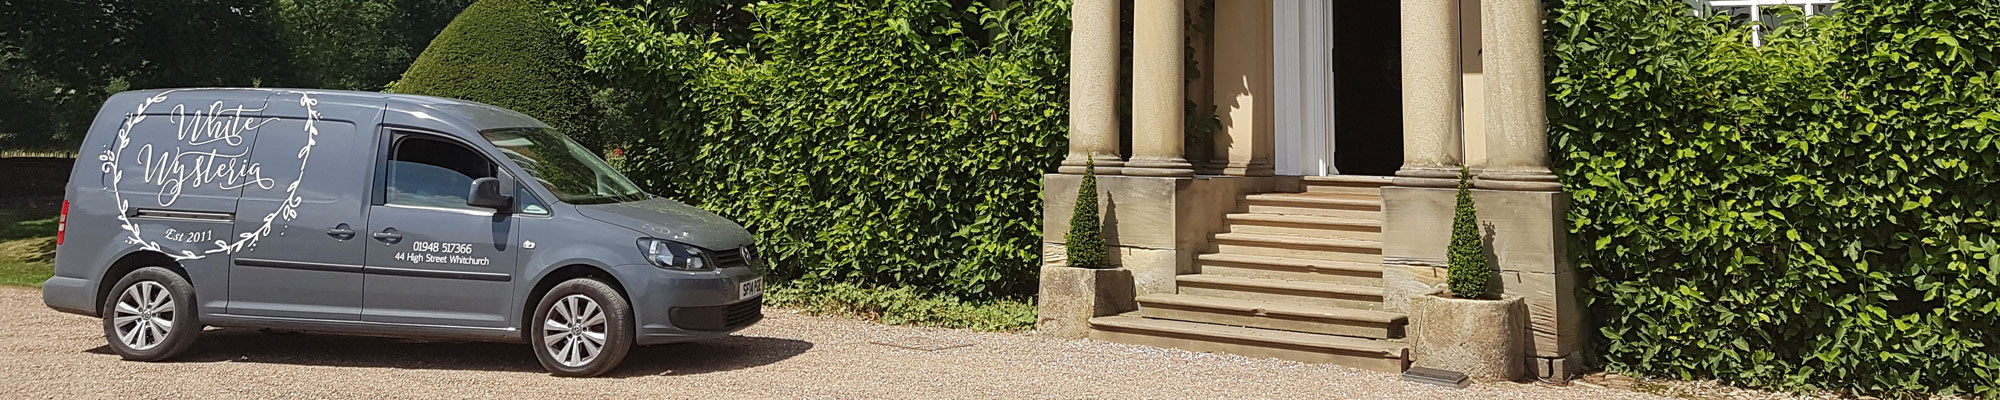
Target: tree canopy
[[59, 59]]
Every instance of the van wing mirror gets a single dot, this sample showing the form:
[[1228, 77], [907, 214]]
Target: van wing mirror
[[486, 193]]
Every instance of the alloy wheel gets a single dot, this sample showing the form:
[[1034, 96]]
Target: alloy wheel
[[574, 332], [144, 315]]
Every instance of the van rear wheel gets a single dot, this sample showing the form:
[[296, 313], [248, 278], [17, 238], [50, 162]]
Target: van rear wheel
[[150, 315], [582, 327]]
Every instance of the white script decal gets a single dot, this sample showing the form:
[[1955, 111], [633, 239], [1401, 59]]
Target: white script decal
[[177, 169]]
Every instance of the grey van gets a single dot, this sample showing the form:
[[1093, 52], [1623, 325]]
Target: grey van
[[381, 214]]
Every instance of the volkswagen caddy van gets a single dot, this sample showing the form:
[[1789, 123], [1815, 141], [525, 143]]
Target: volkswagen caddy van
[[385, 215]]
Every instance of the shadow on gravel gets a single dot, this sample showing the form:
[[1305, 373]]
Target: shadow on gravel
[[693, 358]]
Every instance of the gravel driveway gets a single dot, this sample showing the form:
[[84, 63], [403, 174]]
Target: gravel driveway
[[45, 354]]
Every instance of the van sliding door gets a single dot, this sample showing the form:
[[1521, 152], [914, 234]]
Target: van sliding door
[[307, 254]]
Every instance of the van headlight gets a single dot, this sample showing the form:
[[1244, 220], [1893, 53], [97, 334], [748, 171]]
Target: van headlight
[[671, 255]]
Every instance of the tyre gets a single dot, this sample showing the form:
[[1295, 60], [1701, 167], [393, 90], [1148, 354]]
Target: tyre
[[150, 315], [582, 327]]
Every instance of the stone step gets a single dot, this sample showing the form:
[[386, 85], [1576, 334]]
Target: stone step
[[1326, 249], [1283, 268], [1374, 355], [1304, 225], [1326, 205], [1304, 293], [1346, 184], [1284, 317]]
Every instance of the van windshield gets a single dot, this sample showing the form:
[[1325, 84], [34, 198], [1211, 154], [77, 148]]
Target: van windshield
[[575, 174]]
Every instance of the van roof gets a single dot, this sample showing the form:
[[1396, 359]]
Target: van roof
[[480, 116]]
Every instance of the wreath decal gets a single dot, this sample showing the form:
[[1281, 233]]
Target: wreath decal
[[287, 210]]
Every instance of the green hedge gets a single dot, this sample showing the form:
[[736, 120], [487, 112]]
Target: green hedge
[[508, 53], [887, 143], [1816, 213]]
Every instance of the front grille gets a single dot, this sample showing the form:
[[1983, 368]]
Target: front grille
[[731, 258], [743, 313], [718, 318]]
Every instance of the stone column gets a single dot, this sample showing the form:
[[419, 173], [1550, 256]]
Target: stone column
[[1159, 87], [1431, 153], [1093, 87], [1516, 126], [1243, 79]]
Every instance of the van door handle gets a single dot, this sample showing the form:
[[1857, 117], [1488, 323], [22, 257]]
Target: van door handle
[[389, 236], [341, 232]]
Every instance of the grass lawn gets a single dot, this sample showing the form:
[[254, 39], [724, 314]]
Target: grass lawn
[[27, 240]]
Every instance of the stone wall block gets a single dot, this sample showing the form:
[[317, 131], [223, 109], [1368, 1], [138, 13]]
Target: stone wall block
[[1526, 231], [1137, 211], [1555, 314]]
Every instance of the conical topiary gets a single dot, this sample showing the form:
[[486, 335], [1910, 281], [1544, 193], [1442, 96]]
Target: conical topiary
[[1469, 272], [1085, 240]]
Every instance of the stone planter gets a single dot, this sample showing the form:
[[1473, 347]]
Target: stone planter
[[1070, 297], [1481, 338]]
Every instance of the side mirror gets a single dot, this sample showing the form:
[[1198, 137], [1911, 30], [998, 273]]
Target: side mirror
[[486, 193]]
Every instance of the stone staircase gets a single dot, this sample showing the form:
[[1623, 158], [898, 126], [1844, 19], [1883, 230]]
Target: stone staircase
[[1296, 276]]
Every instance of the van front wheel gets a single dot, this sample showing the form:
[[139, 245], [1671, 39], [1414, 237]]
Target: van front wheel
[[582, 327], [150, 316]]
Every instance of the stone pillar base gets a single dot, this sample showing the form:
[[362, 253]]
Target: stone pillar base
[[1107, 164], [1527, 232], [1558, 369], [1153, 226], [1166, 167], [1426, 177], [1070, 297], [1525, 180]]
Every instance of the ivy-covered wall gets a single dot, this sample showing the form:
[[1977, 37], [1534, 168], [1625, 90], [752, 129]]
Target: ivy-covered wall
[[1819, 212], [894, 143]]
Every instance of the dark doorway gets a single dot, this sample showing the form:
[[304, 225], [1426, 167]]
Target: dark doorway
[[1367, 87]]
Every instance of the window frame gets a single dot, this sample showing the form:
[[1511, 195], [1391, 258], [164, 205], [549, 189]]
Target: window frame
[[1756, 11], [391, 137]]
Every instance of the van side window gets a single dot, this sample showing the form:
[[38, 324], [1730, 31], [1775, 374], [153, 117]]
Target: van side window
[[529, 204], [429, 172]]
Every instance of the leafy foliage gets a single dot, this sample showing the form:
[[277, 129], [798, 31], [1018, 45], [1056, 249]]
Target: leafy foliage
[[510, 54], [1468, 272], [886, 143], [904, 306], [1084, 244], [1815, 213]]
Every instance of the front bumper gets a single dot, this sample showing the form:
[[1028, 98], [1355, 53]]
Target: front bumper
[[677, 306]]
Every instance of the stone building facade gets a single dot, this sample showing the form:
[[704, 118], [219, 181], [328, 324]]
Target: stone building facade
[[1261, 245]]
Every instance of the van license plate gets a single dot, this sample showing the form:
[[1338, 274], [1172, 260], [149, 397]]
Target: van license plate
[[751, 288]]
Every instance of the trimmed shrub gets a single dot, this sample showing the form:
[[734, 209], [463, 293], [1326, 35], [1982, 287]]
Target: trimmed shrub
[[1817, 213], [510, 54], [891, 143], [1084, 244], [1468, 272]]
